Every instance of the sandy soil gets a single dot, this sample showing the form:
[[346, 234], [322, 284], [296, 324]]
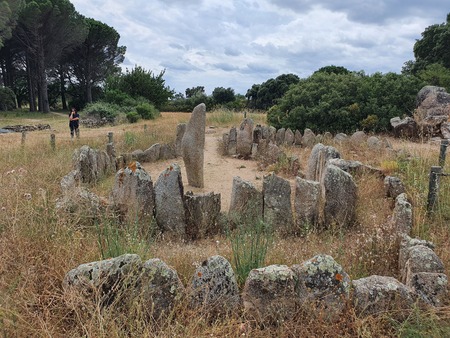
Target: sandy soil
[[218, 170]]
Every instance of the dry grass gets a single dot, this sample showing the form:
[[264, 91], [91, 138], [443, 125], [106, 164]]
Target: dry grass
[[38, 246]]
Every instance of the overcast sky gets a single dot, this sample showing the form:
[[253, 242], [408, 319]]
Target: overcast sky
[[237, 43]]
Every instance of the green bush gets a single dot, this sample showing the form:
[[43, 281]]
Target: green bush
[[133, 117], [102, 110], [7, 99], [147, 111]]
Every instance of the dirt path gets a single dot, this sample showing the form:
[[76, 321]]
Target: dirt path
[[218, 170]]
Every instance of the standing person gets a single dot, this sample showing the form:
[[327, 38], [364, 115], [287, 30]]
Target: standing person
[[74, 119]]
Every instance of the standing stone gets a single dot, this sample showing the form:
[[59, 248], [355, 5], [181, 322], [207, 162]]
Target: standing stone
[[393, 186], [152, 154], [378, 294], [245, 138], [277, 203], [281, 133], [257, 134], [307, 203], [318, 158], [289, 137], [402, 216], [232, 142], [160, 288], [358, 138], [327, 137], [374, 142], [340, 138], [339, 191], [246, 202], [272, 134], [202, 214], [430, 287], [214, 288], [298, 138], [309, 138], [133, 196], [85, 161], [406, 244], [137, 155], [420, 258], [181, 129], [170, 210], [322, 283], [225, 143], [193, 146], [445, 130], [405, 128], [269, 294]]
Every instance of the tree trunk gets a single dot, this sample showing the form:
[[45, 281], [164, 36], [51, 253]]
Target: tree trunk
[[30, 84], [62, 87], [42, 79]]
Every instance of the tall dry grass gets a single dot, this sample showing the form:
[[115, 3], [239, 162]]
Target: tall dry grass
[[38, 246]]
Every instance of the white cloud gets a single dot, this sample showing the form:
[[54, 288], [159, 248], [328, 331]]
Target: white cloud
[[237, 43]]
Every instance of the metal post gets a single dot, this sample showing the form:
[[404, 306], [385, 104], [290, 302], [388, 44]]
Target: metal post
[[433, 188], [53, 141], [444, 145], [110, 137]]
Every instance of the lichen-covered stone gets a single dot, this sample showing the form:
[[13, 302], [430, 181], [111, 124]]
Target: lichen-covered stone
[[133, 196], [298, 138], [246, 202], [379, 294], [82, 205], [322, 282], [374, 142], [244, 139], [430, 287], [232, 142], [193, 146], [202, 214], [214, 287], [258, 134], [167, 152], [306, 203], [405, 245], [280, 136], [158, 288], [277, 203], [137, 155], [340, 138], [339, 191], [309, 138], [402, 216], [393, 186], [181, 129], [152, 154], [289, 137], [104, 281], [318, 158], [169, 201], [92, 164], [269, 294], [420, 258], [358, 138]]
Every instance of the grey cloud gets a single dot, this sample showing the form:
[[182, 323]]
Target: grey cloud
[[232, 52], [226, 67]]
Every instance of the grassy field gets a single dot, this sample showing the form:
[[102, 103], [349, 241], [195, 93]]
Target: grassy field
[[38, 246]]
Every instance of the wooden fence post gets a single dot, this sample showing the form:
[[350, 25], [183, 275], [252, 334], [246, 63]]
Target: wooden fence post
[[110, 137], [53, 141], [433, 187], [24, 137], [444, 145]]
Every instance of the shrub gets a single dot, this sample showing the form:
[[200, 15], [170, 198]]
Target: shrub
[[7, 99], [102, 110], [147, 111], [133, 117]]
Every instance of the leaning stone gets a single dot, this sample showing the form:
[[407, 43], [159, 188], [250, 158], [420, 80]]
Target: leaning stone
[[378, 294], [169, 201], [269, 294], [105, 282], [318, 158], [322, 283], [393, 186], [167, 152], [277, 203], [246, 202], [402, 216], [307, 202], [339, 193], [281, 133], [133, 197], [420, 259], [202, 214], [152, 154], [214, 288], [430, 287], [193, 146], [309, 138], [69, 181], [354, 167], [289, 137], [181, 129], [298, 138], [159, 289], [245, 138]]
